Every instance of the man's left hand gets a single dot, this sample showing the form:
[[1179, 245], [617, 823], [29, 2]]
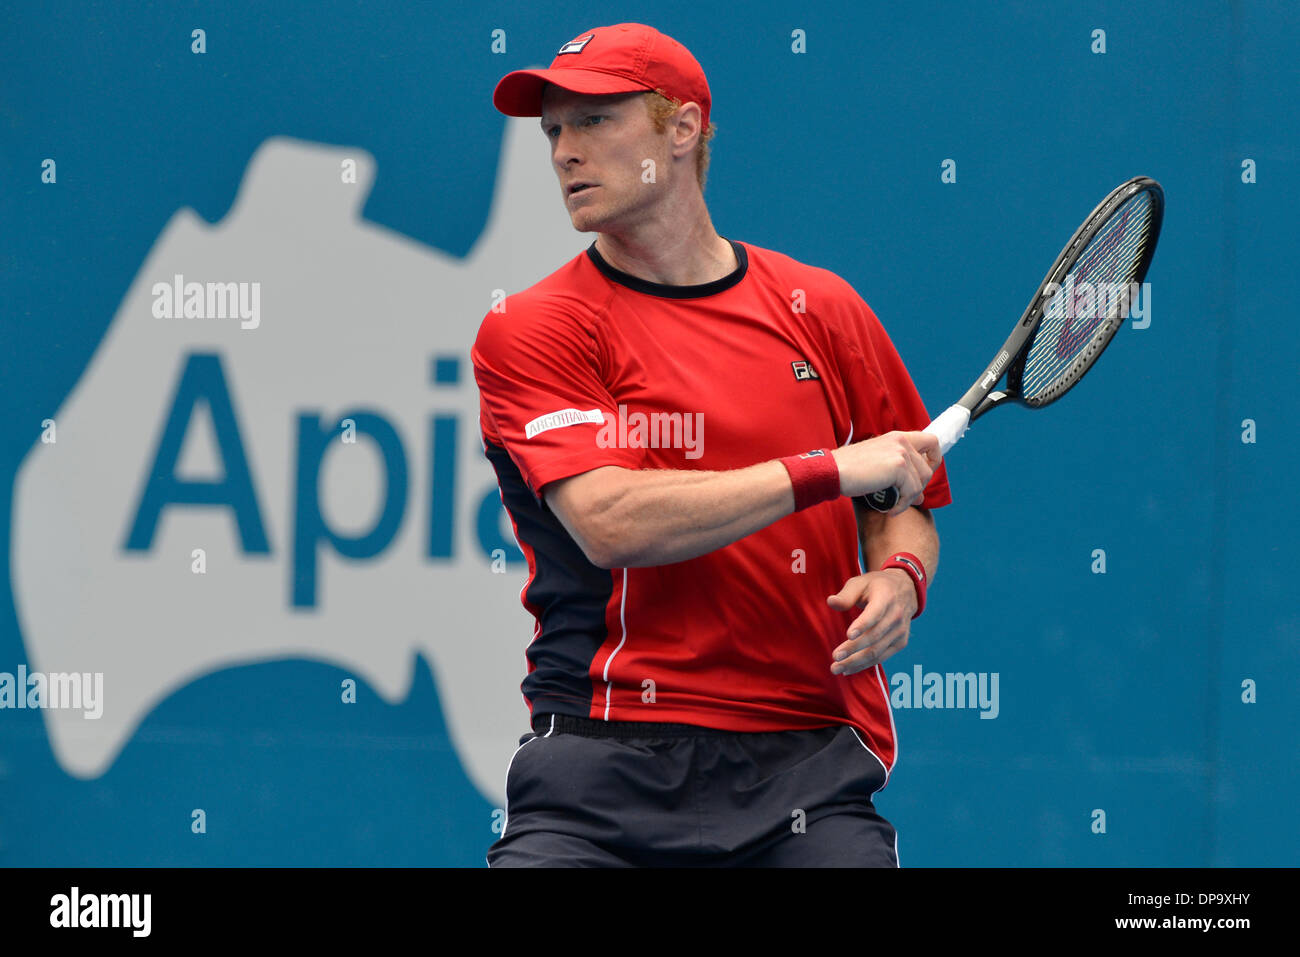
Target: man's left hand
[[889, 600]]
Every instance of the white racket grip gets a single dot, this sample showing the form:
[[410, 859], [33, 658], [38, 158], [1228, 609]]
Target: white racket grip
[[949, 427]]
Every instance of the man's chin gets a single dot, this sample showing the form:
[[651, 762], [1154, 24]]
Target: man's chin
[[584, 223]]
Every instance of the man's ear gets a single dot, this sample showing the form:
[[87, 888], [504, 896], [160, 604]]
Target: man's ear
[[687, 121]]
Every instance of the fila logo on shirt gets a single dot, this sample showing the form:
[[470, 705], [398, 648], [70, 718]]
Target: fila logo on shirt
[[575, 46], [803, 370]]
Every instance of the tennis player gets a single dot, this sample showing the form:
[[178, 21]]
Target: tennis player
[[682, 426]]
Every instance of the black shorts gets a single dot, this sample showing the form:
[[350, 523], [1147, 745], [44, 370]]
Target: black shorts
[[582, 793]]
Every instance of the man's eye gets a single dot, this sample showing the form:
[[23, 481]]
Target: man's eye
[[587, 120]]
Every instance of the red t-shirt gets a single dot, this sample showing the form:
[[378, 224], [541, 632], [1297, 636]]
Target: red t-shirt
[[587, 368]]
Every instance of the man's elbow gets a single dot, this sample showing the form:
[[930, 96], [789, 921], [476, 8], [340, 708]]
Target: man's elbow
[[588, 512], [600, 552], [609, 542], [608, 548]]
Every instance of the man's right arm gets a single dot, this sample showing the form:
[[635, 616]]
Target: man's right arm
[[629, 518]]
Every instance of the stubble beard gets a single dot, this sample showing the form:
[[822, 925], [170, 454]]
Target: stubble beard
[[607, 212]]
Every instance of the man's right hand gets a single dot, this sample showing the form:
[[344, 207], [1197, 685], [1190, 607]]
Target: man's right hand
[[901, 460]]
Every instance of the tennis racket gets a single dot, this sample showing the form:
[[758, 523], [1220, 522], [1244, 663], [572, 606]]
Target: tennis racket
[[1081, 304]]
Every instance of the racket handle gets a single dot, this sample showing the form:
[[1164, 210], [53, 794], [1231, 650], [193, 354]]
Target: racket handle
[[950, 426], [883, 500]]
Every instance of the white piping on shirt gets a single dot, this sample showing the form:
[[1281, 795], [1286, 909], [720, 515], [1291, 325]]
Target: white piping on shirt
[[622, 618]]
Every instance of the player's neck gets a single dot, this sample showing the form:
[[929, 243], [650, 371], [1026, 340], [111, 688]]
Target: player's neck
[[665, 252]]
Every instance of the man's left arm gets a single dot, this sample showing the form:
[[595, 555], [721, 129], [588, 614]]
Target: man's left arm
[[888, 597]]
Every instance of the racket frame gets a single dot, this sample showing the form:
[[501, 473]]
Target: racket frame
[[1010, 359], [981, 396]]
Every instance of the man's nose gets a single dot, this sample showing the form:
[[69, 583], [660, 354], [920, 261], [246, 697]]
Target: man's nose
[[565, 148]]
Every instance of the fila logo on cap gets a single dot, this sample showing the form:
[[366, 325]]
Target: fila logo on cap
[[575, 46]]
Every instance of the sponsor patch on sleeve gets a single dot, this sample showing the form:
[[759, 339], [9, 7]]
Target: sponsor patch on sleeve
[[558, 420]]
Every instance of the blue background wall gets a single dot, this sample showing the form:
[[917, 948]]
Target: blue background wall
[[1120, 691]]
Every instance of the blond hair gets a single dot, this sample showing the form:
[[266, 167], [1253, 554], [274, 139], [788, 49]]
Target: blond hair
[[661, 107]]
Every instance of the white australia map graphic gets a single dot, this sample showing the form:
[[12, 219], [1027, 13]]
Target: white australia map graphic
[[352, 314]]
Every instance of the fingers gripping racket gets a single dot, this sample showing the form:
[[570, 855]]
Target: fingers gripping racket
[[1081, 304]]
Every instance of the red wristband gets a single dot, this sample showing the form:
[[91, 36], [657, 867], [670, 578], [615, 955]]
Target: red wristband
[[815, 477], [915, 570]]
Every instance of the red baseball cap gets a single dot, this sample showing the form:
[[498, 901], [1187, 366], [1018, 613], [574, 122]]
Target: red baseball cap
[[623, 58]]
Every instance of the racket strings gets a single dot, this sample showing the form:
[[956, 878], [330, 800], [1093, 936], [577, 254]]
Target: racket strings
[[1094, 300]]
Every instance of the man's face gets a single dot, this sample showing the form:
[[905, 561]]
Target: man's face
[[604, 141]]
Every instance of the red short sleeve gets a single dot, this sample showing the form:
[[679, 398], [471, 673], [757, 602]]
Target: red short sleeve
[[882, 397], [542, 395]]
